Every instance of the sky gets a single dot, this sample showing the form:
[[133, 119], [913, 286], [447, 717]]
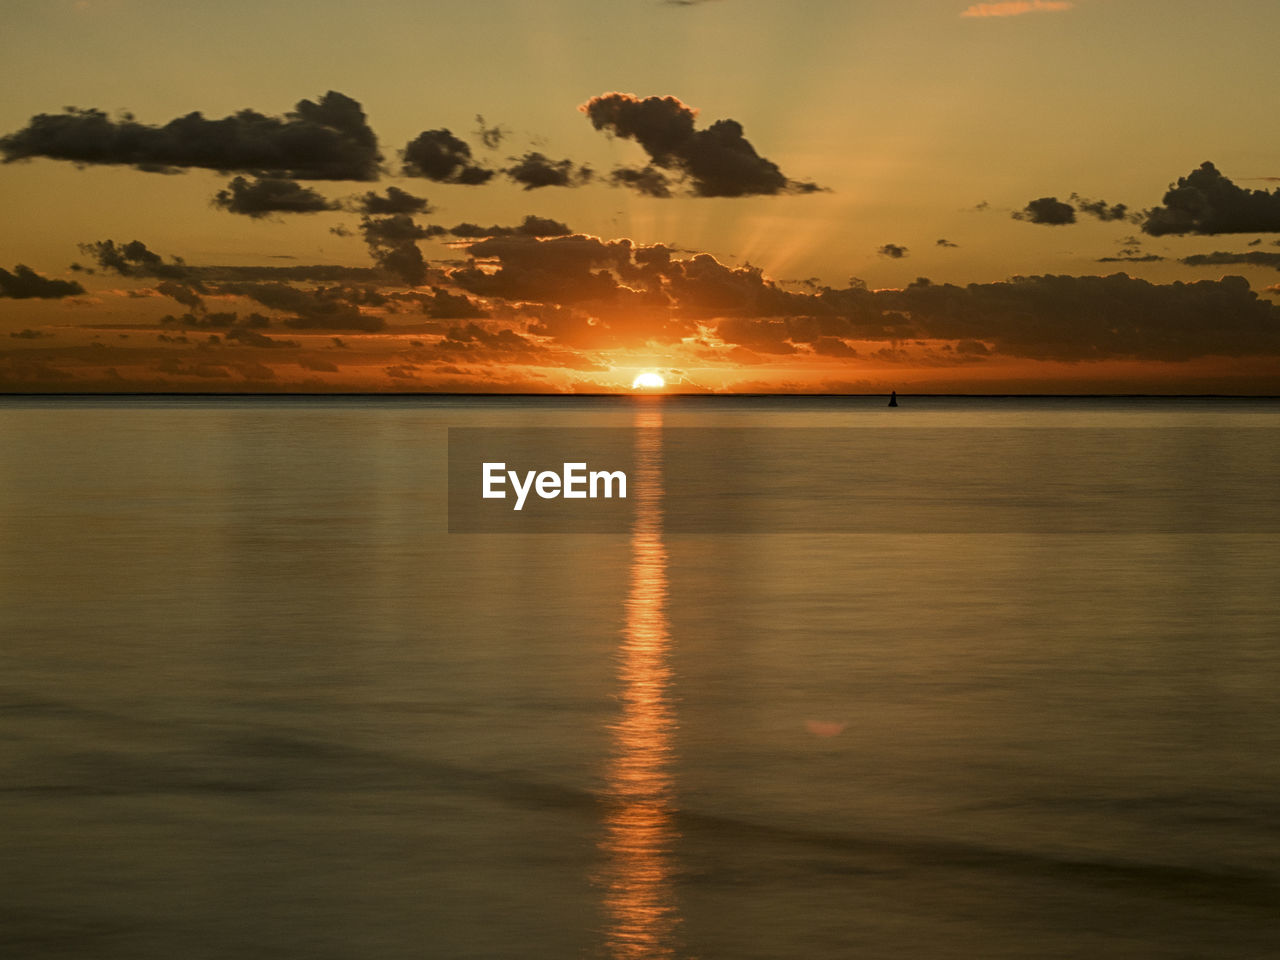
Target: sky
[[930, 196]]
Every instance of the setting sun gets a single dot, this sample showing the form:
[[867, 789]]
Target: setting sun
[[648, 381]]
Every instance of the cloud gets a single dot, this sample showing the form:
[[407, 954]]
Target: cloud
[[394, 200], [125, 259], [1206, 202], [760, 336], [267, 195], [324, 140], [944, 242], [534, 170], [1132, 258], [318, 309], [549, 270], [182, 368], [135, 259], [833, 347], [1016, 8], [392, 244], [1061, 318], [1090, 318], [29, 334], [531, 227], [251, 338], [473, 343], [491, 137], [716, 162], [1101, 209], [439, 155], [1254, 258], [1047, 210], [893, 251], [1053, 318], [187, 294], [649, 181], [440, 304], [25, 284]]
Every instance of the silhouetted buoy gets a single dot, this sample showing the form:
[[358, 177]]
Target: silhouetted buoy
[[893, 398]]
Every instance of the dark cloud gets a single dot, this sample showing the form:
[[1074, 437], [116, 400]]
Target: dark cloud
[[717, 162], [315, 273], [29, 334], [1101, 209], [134, 259], [1206, 202], [473, 343], [321, 366], [267, 195], [833, 347], [25, 284], [126, 259], [251, 338], [397, 228], [439, 155], [1254, 258], [760, 336], [893, 251], [649, 180], [1047, 210], [1092, 318], [944, 242], [703, 287], [587, 293], [1132, 258], [531, 227], [440, 304], [1043, 318], [324, 140], [318, 309], [187, 294], [551, 270], [183, 368], [628, 295], [1130, 247], [534, 170], [490, 136], [392, 243], [223, 318], [394, 200], [254, 371]]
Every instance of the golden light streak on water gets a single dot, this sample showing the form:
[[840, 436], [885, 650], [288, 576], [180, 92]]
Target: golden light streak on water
[[639, 903]]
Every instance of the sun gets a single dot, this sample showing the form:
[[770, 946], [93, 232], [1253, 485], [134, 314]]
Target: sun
[[648, 381]]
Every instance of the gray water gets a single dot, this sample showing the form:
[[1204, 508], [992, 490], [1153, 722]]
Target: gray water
[[257, 702]]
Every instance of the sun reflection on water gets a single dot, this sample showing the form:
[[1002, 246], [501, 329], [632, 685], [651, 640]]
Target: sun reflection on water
[[639, 904]]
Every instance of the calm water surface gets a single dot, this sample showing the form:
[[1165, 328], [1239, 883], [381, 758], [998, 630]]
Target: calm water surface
[[256, 702]]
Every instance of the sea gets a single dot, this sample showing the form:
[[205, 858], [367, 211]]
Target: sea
[[968, 679]]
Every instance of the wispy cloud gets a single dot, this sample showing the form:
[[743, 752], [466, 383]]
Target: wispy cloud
[[1015, 8]]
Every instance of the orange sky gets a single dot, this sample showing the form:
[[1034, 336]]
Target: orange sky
[[477, 208]]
